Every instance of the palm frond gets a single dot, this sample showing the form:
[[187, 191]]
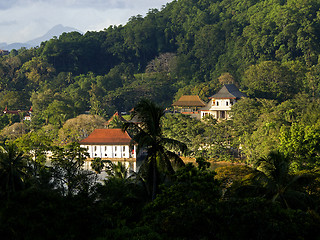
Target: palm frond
[[176, 159], [174, 144]]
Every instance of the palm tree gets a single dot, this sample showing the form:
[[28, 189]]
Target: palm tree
[[147, 133], [116, 121], [277, 180], [12, 169], [117, 170]]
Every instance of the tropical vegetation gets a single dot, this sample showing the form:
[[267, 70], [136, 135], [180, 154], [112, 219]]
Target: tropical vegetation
[[255, 176]]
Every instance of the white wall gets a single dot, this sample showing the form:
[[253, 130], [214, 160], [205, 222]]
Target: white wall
[[221, 104], [217, 106], [109, 151]]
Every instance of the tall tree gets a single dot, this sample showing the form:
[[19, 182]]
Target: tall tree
[[68, 173], [302, 143], [12, 169], [76, 129], [277, 179], [147, 132], [270, 80]]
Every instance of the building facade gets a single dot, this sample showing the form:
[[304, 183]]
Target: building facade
[[109, 144], [220, 104]]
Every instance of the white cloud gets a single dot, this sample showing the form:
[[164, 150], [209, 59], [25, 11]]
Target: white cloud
[[23, 20]]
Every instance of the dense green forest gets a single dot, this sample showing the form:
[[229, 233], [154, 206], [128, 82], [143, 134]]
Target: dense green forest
[[270, 47], [268, 190]]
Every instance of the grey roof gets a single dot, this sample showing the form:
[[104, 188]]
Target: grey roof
[[229, 91]]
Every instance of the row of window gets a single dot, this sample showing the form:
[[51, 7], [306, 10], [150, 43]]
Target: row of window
[[105, 148], [227, 103], [104, 151]]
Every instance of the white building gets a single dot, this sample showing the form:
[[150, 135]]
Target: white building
[[220, 103], [110, 144]]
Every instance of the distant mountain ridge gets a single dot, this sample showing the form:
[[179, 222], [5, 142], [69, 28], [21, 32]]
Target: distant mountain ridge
[[55, 31]]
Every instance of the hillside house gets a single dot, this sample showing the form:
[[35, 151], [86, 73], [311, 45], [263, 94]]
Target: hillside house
[[220, 103], [189, 104], [24, 115], [110, 144]]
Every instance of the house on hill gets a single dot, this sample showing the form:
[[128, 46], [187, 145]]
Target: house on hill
[[24, 115], [220, 104], [189, 104]]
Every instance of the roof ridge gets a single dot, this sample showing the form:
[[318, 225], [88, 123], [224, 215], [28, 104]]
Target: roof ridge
[[189, 100], [229, 91]]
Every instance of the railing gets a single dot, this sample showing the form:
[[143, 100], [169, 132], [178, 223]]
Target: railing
[[116, 159]]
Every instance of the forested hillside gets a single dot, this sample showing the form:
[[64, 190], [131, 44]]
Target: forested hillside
[[271, 48]]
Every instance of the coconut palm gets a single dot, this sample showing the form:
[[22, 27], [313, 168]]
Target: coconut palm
[[147, 133], [117, 170], [277, 180], [13, 167]]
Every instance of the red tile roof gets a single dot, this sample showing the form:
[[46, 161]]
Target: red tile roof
[[116, 115], [6, 111], [107, 137]]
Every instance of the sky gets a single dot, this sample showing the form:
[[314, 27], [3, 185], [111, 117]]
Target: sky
[[24, 20]]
